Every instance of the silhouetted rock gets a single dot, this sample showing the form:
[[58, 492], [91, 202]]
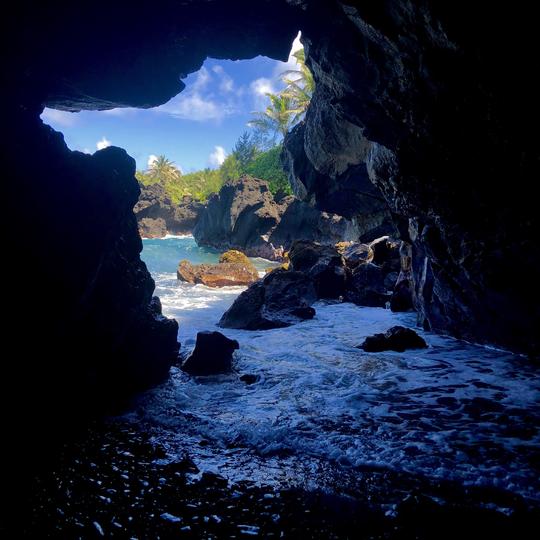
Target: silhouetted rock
[[366, 287], [356, 254], [156, 213], [323, 264], [397, 338], [249, 378], [386, 254], [212, 354], [280, 299], [218, 275]]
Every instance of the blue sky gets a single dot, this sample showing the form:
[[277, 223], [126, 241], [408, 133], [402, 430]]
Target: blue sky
[[195, 129]]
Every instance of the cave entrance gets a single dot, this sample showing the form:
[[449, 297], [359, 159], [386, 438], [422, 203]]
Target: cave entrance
[[230, 121]]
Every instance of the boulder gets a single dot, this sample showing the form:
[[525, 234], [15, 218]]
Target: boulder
[[152, 228], [235, 257], [212, 354], [223, 274], [323, 264], [356, 253], [386, 254], [397, 338], [281, 298], [366, 286], [402, 296]]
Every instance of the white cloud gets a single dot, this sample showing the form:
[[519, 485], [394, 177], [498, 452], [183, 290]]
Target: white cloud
[[87, 150], [226, 83], [194, 107], [259, 88], [59, 118], [104, 143], [217, 157], [151, 159], [202, 80]]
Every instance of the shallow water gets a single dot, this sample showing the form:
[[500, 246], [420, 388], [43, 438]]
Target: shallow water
[[323, 410]]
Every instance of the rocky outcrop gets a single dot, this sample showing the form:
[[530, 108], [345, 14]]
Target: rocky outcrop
[[157, 215], [100, 330], [397, 338], [212, 354], [347, 191], [323, 264], [224, 274], [280, 299], [245, 216], [152, 228]]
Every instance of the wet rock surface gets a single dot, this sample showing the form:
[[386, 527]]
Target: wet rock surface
[[212, 354], [280, 299], [397, 338]]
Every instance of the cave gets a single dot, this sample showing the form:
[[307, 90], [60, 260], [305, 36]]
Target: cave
[[428, 102]]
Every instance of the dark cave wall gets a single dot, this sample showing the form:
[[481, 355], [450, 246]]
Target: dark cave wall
[[435, 98], [424, 98]]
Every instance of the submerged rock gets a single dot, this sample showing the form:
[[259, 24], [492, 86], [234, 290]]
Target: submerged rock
[[397, 338], [280, 299], [212, 354], [223, 274]]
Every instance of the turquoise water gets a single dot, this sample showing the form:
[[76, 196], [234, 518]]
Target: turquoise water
[[162, 255]]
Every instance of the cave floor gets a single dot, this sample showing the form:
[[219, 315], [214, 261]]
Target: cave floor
[[112, 482]]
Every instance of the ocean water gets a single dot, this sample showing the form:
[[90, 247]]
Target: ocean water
[[321, 409]]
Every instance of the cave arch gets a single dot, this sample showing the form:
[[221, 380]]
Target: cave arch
[[411, 90]]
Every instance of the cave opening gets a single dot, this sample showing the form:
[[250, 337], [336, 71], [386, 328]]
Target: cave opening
[[413, 131]]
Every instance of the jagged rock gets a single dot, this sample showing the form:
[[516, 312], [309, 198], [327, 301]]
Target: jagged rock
[[346, 191], [157, 215], [301, 221], [397, 338], [323, 264], [366, 286], [152, 228], [356, 254], [280, 299], [212, 354], [402, 299], [222, 274], [386, 254], [245, 216]]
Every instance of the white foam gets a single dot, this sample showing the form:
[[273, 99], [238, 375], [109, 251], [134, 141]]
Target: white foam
[[320, 399]]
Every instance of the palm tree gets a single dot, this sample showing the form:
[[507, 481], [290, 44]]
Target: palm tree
[[163, 170], [300, 86], [276, 118]]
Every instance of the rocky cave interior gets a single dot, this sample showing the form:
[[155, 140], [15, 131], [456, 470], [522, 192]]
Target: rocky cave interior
[[421, 100]]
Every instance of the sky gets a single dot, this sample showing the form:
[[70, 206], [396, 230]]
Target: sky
[[196, 129]]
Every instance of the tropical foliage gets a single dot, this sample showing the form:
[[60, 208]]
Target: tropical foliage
[[256, 152]]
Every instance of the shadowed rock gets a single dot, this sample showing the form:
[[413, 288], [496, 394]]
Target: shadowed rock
[[212, 354], [323, 264], [397, 338], [282, 298]]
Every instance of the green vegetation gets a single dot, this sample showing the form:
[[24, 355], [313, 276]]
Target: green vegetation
[[256, 153], [267, 166]]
